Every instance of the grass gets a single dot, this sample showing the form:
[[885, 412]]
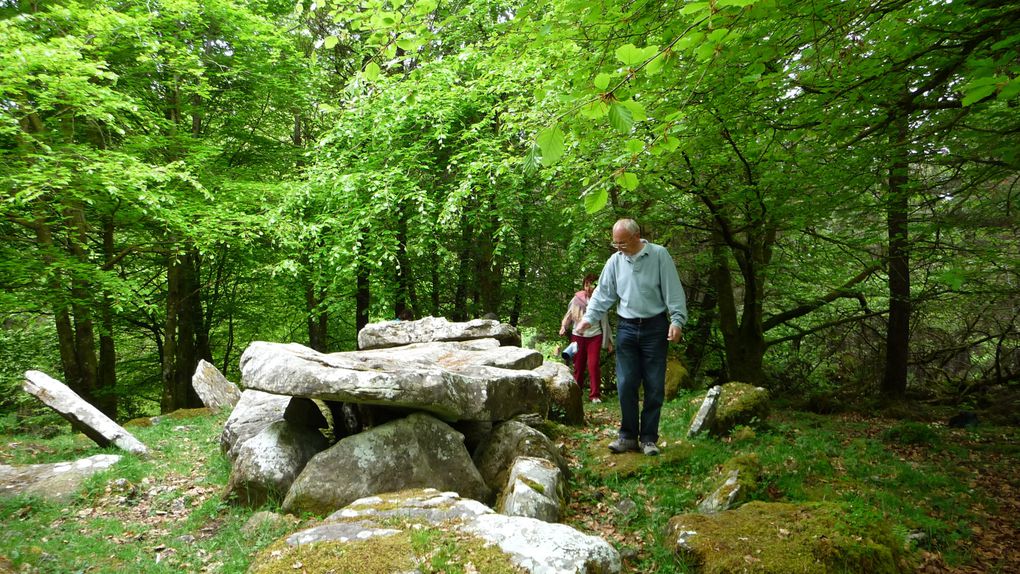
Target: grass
[[165, 513]]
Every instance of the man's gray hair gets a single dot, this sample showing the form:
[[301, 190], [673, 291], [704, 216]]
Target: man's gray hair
[[629, 225]]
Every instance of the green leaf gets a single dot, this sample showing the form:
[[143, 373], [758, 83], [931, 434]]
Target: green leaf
[[532, 160], [602, 81], [718, 34], [977, 94], [705, 51], [1010, 90], [1006, 42], [738, 3], [629, 54], [406, 44], [620, 118], [595, 200], [953, 278], [655, 66], [665, 145], [627, 180], [372, 71], [694, 7], [635, 146], [689, 41], [595, 109], [330, 42], [637, 111], [550, 142]]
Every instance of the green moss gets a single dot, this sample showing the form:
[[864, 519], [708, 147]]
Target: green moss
[[740, 404], [748, 467], [181, 414], [533, 485], [379, 555], [425, 550], [781, 538], [676, 377], [606, 464]]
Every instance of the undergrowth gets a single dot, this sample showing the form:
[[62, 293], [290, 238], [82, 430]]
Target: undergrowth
[[165, 513]]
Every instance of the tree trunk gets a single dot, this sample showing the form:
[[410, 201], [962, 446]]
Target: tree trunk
[[404, 303], [743, 338], [460, 305], [107, 380], [897, 343], [183, 345], [81, 293], [362, 296], [173, 396], [61, 309], [317, 320]]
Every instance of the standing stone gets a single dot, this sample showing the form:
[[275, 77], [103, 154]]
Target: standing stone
[[563, 392], [255, 411], [535, 489], [415, 452], [706, 414], [213, 388], [739, 404], [428, 329], [83, 417], [508, 441], [723, 497]]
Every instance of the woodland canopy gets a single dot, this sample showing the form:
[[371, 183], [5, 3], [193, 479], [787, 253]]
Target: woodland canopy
[[836, 180]]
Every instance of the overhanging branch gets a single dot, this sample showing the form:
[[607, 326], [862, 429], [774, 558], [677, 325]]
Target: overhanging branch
[[842, 292]]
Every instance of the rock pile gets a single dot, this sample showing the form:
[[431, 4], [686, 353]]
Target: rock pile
[[431, 404]]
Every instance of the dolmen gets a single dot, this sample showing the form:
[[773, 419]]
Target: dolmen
[[424, 406]]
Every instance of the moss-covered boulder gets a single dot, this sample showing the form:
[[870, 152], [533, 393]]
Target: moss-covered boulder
[[676, 377], [781, 538], [738, 480], [739, 404]]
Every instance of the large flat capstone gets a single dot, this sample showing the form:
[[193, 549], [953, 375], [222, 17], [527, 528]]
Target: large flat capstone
[[456, 388]]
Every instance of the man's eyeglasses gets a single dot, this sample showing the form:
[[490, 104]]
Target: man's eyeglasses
[[620, 244]]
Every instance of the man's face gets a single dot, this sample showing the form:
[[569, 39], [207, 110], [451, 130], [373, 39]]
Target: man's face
[[626, 242]]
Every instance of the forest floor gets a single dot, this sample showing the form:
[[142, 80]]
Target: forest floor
[[956, 487], [963, 484]]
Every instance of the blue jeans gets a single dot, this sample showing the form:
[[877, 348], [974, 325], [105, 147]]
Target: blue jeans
[[641, 363]]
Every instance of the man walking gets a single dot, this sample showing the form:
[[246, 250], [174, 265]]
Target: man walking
[[642, 278]]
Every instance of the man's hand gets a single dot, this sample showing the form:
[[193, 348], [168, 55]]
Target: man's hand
[[582, 326], [675, 334]]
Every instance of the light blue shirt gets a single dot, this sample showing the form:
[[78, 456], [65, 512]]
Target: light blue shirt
[[645, 285]]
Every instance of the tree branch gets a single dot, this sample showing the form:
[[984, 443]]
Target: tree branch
[[842, 292]]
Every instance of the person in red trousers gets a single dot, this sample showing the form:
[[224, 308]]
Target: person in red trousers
[[590, 341]]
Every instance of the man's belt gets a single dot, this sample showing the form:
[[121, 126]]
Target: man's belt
[[643, 320]]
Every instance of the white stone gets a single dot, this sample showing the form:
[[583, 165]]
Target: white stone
[[213, 388], [82, 416]]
